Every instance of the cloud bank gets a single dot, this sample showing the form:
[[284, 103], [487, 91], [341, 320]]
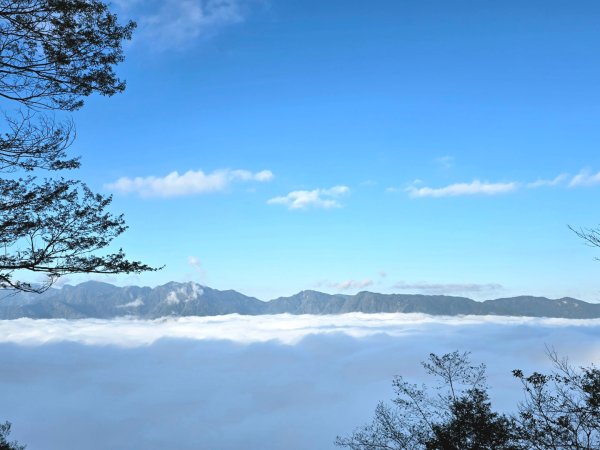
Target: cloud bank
[[317, 198], [283, 328], [291, 382], [190, 183]]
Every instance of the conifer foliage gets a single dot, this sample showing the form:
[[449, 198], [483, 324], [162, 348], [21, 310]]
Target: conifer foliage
[[53, 54]]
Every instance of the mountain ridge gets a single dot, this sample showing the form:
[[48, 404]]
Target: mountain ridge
[[94, 299]]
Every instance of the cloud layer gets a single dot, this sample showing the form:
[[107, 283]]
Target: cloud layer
[[190, 183], [284, 328], [317, 198], [291, 382]]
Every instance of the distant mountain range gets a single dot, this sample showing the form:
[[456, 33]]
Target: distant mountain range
[[105, 301]]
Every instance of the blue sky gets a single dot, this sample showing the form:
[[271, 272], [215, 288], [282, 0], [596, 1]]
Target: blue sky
[[396, 146]]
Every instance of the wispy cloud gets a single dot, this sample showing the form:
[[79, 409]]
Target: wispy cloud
[[549, 183], [189, 183], [448, 288], [317, 198], [461, 189], [346, 285], [174, 24], [477, 187], [194, 262], [585, 178]]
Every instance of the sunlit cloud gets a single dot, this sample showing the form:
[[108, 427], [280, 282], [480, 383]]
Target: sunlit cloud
[[463, 189], [317, 198], [284, 328], [189, 183]]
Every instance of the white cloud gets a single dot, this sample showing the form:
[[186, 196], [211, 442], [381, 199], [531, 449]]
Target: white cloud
[[548, 183], [172, 298], [190, 183], [317, 198], [585, 178], [195, 263], [284, 328], [186, 293], [191, 291], [448, 288], [417, 190], [175, 24], [263, 175], [461, 189], [134, 304]]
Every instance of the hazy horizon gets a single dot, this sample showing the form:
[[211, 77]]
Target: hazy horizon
[[472, 296]]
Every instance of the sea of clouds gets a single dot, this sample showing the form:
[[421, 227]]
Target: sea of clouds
[[254, 382]]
